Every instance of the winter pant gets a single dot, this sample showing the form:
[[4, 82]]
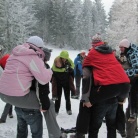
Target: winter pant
[[133, 96], [104, 92], [66, 94], [10, 111], [120, 118], [7, 110], [31, 117], [54, 87], [30, 101], [98, 112], [83, 119], [72, 86], [78, 83]]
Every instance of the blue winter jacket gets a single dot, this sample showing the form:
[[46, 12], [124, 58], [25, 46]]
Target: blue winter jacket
[[78, 65], [132, 57]]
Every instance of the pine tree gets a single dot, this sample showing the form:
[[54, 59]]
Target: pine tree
[[123, 22]]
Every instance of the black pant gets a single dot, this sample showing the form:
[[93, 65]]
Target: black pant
[[78, 83], [90, 119], [98, 112], [120, 118], [101, 93], [66, 89]]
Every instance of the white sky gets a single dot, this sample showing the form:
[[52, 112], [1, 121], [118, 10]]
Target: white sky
[[107, 4]]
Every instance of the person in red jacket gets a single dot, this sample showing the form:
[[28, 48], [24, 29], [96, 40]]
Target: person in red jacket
[[104, 82], [8, 107]]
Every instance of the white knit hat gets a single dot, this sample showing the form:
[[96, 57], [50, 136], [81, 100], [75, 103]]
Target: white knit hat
[[124, 43], [35, 40]]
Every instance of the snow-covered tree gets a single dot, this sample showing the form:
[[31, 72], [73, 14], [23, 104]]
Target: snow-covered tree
[[99, 18], [2, 21], [123, 22]]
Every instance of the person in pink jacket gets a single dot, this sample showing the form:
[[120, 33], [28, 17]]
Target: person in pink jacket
[[24, 64]]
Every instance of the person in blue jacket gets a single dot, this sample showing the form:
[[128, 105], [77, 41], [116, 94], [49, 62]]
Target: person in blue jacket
[[78, 71]]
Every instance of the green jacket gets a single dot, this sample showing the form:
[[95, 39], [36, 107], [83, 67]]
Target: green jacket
[[65, 55]]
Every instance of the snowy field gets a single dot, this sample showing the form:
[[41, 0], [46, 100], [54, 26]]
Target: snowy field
[[8, 129]]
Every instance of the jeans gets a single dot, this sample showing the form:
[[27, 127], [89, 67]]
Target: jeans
[[32, 117], [98, 112], [30, 101], [7, 110]]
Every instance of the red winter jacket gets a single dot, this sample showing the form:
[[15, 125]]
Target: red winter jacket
[[106, 69], [3, 60]]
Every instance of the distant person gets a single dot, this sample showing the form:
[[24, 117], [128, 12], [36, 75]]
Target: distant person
[[8, 107], [78, 71], [25, 64], [63, 68]]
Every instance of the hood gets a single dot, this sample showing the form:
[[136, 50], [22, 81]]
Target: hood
[[104, 49], [27, 49], [64, 54]]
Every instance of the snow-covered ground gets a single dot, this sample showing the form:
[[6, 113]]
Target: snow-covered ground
[[8, 129]]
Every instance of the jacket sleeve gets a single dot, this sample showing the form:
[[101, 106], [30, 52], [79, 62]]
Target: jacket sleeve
[[133, 61], [78, 63], [37, 68], [86, 84]]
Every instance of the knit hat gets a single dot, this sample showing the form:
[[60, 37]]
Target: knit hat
[[64, 54], [35, 40], [124, 43], [82, 52], [96, 38], [47, 53]]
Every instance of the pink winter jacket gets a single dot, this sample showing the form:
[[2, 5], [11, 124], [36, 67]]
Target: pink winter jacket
[[22, 67]]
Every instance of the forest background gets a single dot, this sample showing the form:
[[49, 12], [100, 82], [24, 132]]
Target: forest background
[[67, 23]]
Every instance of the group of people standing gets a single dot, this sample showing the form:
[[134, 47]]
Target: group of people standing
[[24, 83]]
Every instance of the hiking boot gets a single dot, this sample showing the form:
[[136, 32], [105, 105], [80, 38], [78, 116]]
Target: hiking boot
[[10, 116], [2, 121], [69, 112], [122, 133]]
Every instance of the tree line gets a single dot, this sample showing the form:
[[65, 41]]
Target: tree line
[[66, 23]]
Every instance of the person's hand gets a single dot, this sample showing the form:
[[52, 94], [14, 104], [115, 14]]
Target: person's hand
[[43, 110], [122, 102], [87, 104]]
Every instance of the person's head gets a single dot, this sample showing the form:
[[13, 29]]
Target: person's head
[[64, 55], [123, 45], [82, 53], [36, 41], [96, 38], [47, 53]]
